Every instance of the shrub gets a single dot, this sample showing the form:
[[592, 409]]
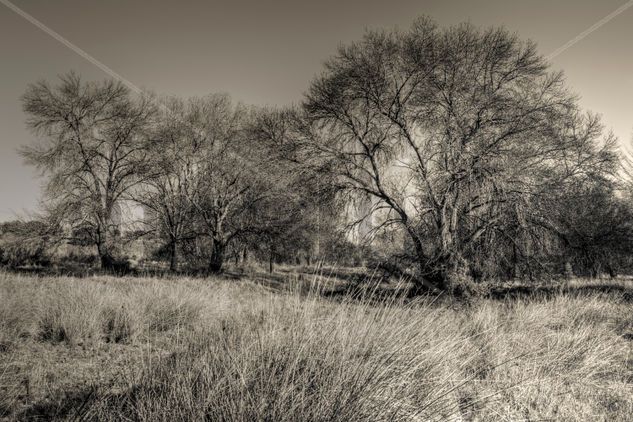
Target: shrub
[[466, 288], [16, 252], [23, 243]]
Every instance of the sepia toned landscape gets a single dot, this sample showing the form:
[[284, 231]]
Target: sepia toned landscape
[[438, 226]]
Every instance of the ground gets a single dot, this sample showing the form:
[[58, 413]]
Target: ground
[[307, 347]]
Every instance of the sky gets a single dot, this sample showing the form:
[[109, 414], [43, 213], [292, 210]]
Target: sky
[[267, 52]]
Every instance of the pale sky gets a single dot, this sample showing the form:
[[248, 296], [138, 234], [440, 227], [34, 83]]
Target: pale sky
[[266, 52]]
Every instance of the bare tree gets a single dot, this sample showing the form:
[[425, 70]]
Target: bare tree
[[213, 176], [224, 189], [92, 151], [305, 208], [451, 132], [594, 223], [167, 194]]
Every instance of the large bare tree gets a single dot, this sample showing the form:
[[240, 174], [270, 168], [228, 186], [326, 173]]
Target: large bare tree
[[452, 133], [92, 150]]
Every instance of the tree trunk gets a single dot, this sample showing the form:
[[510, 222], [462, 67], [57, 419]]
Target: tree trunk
[[438, 275], [173, 256], [271, 258], [217, 258], [432, 276], [611, 270], [107, 262], [515, 263], [105, 258]]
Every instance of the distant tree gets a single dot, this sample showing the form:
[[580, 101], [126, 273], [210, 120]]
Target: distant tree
[[594, 221], [92, 150], [300, 222], [228, 183], [213, 177], [453, 134], [305, 213], [167, 194]]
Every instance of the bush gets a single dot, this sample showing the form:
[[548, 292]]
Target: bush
[[16, 252], [466, 288], [23, 243]]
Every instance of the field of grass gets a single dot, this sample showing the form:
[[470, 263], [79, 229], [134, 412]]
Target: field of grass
[[104, 348]]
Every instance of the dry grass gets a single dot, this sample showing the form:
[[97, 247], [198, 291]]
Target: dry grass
[[190, 349]]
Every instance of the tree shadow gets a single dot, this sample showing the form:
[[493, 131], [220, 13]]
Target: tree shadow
[[344, 283], [72, 405], [547, 292], [87, 271]]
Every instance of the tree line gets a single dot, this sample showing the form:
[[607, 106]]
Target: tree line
[[470, 156]]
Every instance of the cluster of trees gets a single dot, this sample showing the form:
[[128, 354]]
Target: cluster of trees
[[469, 156], [206, 172]]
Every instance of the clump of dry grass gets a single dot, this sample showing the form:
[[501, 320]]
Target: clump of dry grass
[[176, 308], [120, 323], [78, 311], [234, 351]]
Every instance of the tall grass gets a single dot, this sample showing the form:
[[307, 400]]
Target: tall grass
[[231, 350]]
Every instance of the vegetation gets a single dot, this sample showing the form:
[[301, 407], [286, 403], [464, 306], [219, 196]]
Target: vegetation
[[448, 155], [461, 137], [405, 244], [448, 178], [109, 348], [93, 152]]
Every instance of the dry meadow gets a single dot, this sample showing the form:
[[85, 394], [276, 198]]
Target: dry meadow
[[152, 349]]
